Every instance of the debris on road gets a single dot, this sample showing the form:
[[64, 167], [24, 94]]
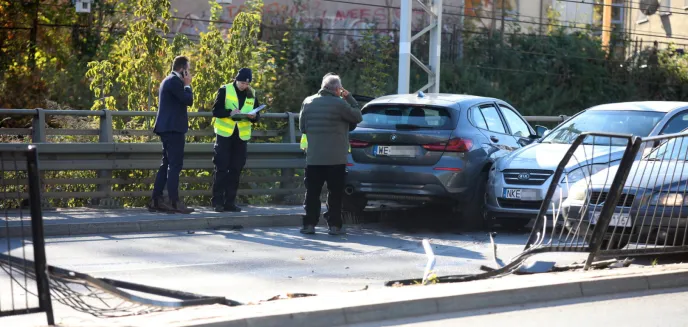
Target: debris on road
[[361, 290], [288, 296]]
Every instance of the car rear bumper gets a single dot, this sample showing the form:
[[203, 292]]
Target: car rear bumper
[[406, 183]]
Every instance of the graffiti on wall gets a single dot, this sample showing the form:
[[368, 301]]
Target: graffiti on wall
[[336, 19]]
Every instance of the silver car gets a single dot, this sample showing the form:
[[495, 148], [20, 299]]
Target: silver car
[[431, 148], [518, 182]]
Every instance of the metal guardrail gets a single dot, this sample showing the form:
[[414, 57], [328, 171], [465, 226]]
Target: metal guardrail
[[39, 132], [18, 295], [107, 155]]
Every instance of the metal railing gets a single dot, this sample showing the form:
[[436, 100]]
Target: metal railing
[[106, 158], [18, 294], [106, 133], [629, 197]]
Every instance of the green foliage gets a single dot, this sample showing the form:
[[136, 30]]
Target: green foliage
[[210, 70], [561, 74], [140, 56], [376, 51], [102, 75]]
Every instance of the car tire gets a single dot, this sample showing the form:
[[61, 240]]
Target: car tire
[[513, 225], [354, 203], [473, 217]]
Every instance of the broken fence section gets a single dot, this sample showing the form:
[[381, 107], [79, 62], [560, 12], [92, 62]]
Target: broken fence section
[[611, 195], [18, 293]]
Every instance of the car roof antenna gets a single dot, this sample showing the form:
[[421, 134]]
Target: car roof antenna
[[421, 94]]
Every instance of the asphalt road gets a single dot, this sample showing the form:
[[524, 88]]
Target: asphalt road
[[256, 264], [665, 308]]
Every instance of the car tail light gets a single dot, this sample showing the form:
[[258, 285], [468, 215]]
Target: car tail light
[[447, 169], [453, 145], [358, 144]]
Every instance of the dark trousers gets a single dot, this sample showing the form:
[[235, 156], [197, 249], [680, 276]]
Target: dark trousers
[[229, 158], [316, 177], [171, 166]]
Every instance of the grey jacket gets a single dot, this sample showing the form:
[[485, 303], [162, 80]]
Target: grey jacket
[[325, 118]]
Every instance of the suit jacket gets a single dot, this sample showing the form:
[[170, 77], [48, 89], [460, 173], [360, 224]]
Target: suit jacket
[[174, 99]]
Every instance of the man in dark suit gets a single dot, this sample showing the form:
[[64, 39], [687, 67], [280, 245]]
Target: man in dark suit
[[171, 124]]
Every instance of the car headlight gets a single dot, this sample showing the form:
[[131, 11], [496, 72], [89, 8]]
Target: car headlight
[[578, 192], [668, 199], [583, 172]]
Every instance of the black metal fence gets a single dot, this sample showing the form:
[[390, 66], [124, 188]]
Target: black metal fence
[[18, 292], [617, 195]]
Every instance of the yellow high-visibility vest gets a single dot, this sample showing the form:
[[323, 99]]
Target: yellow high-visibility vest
[[225, 126], [304, 143]]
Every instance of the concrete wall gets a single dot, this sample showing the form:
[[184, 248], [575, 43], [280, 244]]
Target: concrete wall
[[314, 13], [664, 27]]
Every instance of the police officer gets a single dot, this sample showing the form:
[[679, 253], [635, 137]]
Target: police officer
[[231, 137]]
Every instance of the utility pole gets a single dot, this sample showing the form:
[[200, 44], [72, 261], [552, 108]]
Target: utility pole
[[405, 57], [606, 24], [33, 36], [460, 38], [501, 37], [405, 20]]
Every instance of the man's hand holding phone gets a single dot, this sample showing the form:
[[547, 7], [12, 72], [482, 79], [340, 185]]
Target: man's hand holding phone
[[187, 77], [343, 93]]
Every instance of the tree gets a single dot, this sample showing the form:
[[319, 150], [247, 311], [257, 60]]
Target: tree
[[140, 57], [210, 68], [246, 49], [377, 51]]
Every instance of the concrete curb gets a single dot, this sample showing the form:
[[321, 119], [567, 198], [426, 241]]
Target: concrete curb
[[434, 303], [156, 225]]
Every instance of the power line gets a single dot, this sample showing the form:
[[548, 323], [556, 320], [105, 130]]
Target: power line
[[679, 9], [628, 31]]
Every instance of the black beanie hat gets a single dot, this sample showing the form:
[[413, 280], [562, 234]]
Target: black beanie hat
[[244, 75]]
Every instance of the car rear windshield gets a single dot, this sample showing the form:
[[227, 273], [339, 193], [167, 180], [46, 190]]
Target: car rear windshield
[[406, 117], [639, 123]]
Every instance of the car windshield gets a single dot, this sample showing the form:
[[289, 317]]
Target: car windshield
[[406, 117], [674, 149], [639, 123]]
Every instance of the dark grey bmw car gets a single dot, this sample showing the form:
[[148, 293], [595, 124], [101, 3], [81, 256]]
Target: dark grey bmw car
[[431, 148]]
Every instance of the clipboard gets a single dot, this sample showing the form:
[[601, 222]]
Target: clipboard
[[245, 115]]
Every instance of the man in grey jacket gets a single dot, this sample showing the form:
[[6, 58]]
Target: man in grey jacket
[[326, 118]]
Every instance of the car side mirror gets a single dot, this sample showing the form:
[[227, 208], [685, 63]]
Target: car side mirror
[[541, 131]]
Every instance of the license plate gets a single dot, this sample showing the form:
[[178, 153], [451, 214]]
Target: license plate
[[618, 219], [520, 194], [394, 151]]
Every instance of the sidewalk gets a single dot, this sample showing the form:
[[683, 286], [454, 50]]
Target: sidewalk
[[84, 221], [393, 303]]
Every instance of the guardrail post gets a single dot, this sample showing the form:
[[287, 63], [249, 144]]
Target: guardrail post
[[105, 136], [38, 135], [292, 127], [290, 137], [38, 127]]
